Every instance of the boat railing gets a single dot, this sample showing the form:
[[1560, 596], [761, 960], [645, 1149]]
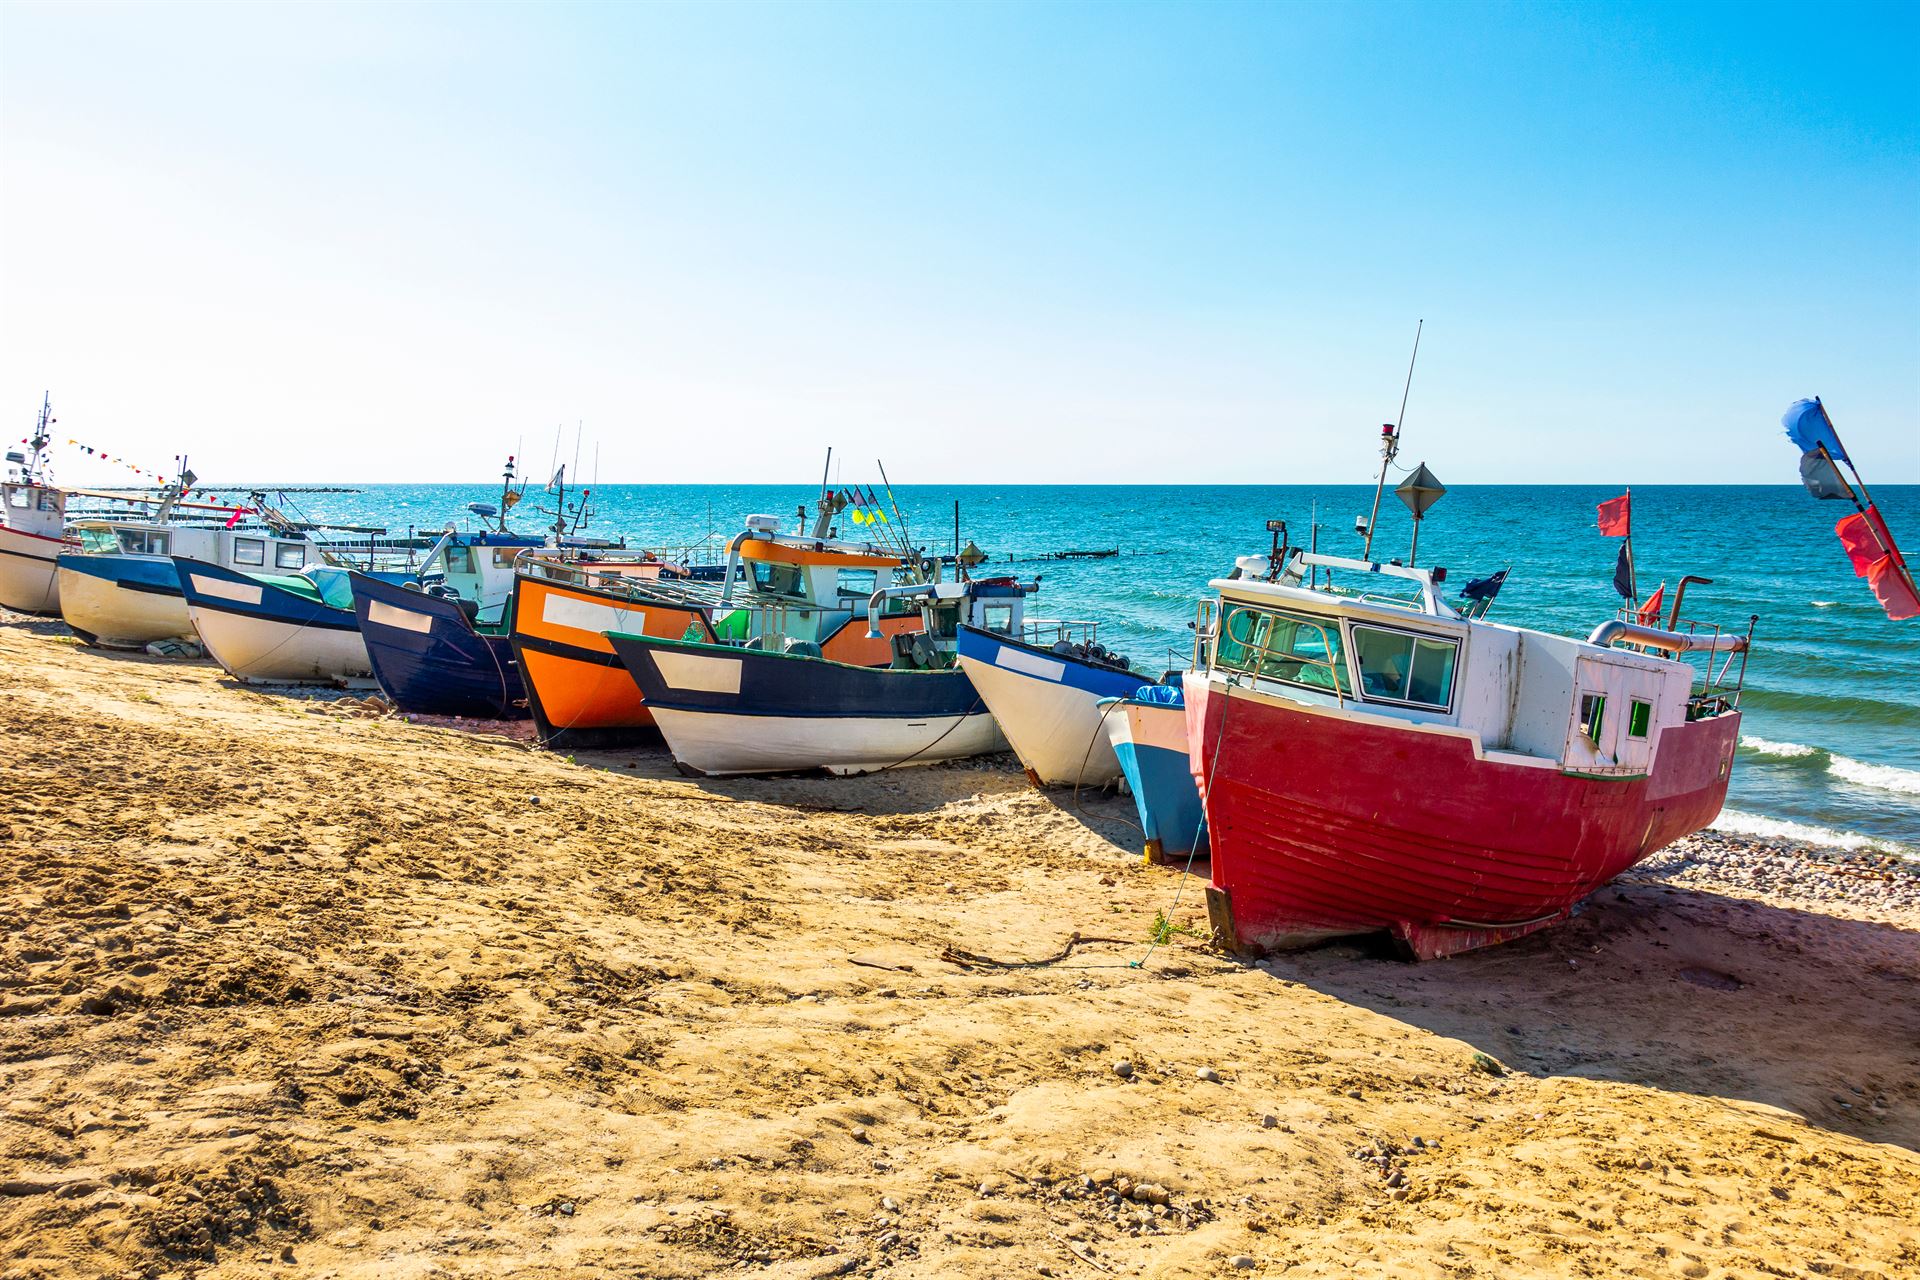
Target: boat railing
[[1044, 633], [1708, 647]]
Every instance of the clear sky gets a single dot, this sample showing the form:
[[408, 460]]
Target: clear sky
[[1025, 242]]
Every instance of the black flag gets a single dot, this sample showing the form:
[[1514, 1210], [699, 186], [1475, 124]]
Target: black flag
[[1484, 588], [1623, 573], [1821, 477]]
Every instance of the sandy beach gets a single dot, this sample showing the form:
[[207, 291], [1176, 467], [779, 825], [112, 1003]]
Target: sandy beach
[[288, 987]]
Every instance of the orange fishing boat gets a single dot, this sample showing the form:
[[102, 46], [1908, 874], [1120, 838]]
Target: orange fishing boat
[[802, 592]]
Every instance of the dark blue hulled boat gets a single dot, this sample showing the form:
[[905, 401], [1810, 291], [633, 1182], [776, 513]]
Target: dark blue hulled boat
[[432, 657], [724, 709]]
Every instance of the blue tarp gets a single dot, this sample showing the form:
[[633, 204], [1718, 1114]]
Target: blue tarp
[[1165, 694]]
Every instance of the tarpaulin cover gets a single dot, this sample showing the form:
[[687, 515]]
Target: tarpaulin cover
[[1808, 426], [1165, 694]]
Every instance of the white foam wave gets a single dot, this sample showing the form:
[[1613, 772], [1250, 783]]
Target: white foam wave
[[1779, 750], [1886, 777], [1733, 822], [1881, 777]]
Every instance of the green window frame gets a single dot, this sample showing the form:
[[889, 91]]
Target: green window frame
[[1593, 716], [1639, 718]]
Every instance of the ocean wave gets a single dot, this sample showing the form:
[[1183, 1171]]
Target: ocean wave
[[1880, 777], [1733, 822]]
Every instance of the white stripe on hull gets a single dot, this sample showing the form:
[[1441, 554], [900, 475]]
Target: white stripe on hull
[[28, 582], [264, 651], [119, 618], [1055, 729], [717, 742]]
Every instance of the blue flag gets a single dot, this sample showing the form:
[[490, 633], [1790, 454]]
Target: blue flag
[[1809, 427]]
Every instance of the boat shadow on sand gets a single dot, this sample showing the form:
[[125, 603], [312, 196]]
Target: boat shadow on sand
[[1676, 988], [894, 793]]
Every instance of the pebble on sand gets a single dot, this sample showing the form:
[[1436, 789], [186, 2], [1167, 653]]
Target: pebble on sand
[[1209, 1075], [1123, 1069]]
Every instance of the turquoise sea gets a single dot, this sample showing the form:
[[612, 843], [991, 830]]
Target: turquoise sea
[[1831, 740]]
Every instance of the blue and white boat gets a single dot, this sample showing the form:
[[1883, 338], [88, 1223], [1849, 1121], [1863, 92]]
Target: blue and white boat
[[1148, 732], [775, 705], [120, 590], [1044, 682], [301, 628]]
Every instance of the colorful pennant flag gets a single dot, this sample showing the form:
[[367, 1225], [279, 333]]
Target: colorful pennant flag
[[1649, 612]]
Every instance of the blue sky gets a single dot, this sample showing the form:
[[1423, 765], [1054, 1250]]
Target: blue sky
[[1039, 242]]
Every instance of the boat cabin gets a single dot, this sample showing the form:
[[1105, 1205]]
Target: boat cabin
[[1386, 644], [31, 508]]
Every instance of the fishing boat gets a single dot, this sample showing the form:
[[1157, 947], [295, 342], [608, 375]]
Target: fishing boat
[[810, 588], [774, 703], [1371, 759], [430, 653], [1148, 733], [301, 628], [119, 589], [32, 511], [1044, 683]]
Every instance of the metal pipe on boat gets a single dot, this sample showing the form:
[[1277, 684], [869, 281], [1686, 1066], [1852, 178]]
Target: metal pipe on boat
[[733, 563], [884, 594], [1659, 638]]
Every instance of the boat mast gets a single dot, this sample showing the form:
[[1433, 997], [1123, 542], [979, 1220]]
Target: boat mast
[[41, 438], [1390, 442]]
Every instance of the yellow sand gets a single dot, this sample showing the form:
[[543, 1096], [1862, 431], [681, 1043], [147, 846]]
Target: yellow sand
[[288, 992]]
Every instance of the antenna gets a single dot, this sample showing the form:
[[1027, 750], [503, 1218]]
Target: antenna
[[1390, 442]]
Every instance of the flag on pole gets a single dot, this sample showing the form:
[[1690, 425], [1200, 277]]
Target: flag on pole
[[1623, 573], [1809, 427], [1616, 517], [1877, 558], [1822, 478], [1650, 610]]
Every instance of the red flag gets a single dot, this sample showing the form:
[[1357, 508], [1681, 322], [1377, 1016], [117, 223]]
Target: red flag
[[234, 519], [1650, 611], [1616, 517], [1891, 589], [1870, 546], [1864, 535]]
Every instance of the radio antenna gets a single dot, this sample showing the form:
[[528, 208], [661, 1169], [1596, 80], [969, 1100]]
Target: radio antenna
[[1390, 440]]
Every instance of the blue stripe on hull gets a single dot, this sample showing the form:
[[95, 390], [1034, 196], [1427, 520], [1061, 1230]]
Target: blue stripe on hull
[[448, 670], [1076, 673], [276, 604], [155, 576]]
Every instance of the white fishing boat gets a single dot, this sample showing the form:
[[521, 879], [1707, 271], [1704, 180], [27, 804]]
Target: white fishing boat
[[32, 510]]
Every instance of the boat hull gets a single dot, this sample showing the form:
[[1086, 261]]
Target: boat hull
[[122, 601], [732, 711], [264, 634], [1047, 704], [429, 659], [1150, 740], [1324, 824], [29, 572]]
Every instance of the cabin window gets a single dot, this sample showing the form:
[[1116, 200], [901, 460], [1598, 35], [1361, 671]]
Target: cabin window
[[503, 557], [49, 500], [249, 551], [998, 618], [290, 555], [18, 497], [96, 541], [143, 542], [1283, 647], [1398, 666], [1593, 716], [780, 579], [1639, 718], [459, 560], [856, 582]]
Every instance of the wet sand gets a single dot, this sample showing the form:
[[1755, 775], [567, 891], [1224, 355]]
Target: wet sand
[[288, 988]]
